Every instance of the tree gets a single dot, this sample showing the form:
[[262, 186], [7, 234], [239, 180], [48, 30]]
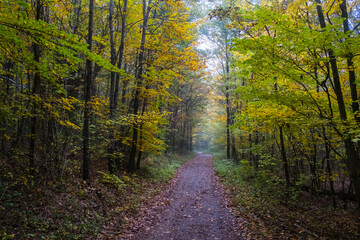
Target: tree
[[273, 47], [87, 97]]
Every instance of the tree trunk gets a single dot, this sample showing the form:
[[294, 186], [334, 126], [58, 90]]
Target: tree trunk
[[112, 105], [138, 162], [284, 158], [250, 149], [121, 54], [331, 180], [350, 65], [112, 60], [76, 16], [256, 156], [139, 78], [87, 98], [191, 138], [313, 161], [35, 91], [227, 95]]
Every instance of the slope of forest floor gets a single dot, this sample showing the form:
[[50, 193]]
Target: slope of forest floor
[[71, 209], [271, 214]]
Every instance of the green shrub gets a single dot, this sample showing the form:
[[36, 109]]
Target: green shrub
[[112, 180], [162, 168]]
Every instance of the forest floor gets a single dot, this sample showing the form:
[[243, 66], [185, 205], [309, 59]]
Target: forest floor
[[68, 208], [193, 206], [269, 212], [153, 203]]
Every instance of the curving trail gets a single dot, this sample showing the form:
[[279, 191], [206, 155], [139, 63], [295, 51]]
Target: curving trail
[[193, 207]]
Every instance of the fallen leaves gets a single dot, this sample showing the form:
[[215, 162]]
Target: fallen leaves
[[192, 204]]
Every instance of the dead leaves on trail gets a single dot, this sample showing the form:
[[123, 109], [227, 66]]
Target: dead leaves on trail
[[193, 206]]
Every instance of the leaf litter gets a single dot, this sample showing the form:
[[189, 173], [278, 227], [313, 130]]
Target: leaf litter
[[194, 205]]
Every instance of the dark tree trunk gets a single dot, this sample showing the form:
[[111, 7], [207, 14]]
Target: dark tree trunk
[[256, 156], [139, 78], [140, 153], [313, 161], [111, 160], [112, 60], [173, 128], [331, 180], [87, 98], [138, 162], [191, 138], [227, 98], [350, 64], [250, 149], [35, 91], [182, 138], [233, 148], [121, 55], [284, 158], [228, 139]]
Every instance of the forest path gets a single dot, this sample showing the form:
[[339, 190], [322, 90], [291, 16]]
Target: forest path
[[194, 206]]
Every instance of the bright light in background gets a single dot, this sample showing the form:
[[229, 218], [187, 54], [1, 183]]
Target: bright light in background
[[205, 44]]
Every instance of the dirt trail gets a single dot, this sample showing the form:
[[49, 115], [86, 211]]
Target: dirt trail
[[193, 207]]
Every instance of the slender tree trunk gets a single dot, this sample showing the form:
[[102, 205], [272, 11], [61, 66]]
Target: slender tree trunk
[[121, 54], [112, 60], [228, 139], [191, 138], [182, 133], [87, 98], [139, 78], [138, 162], [173, 128], [35, 91], [250, 149], [350, 64], [76, 16], [284, 158], [313, 161], [112, 105], [256, 156], [227, 95], [328, 167], [233, 148], [115, 98]]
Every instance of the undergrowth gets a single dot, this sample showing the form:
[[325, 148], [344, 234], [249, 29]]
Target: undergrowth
[[72, 209], [273, 213], [162, 168]]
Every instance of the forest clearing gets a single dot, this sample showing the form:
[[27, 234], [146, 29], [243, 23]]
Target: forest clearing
[[179, 119]]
